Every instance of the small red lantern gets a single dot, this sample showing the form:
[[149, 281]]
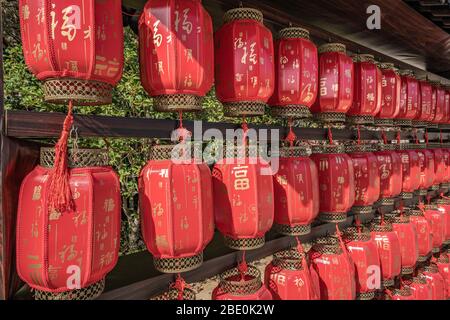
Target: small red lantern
[[367, 177], [443, 264], [336, 182], [424, 236], [404, 293], [54, 247], [391, 174], [336, 83], [296, 70], [435, 281], [426, 111], [444, 207], [411, 170], [296, 192], [243, 201], [390, 95], [364, 254], [288, 277], [445, 186], [409, 99], [176, 210], [440, 166], [241, 284], [367, 90], [176, 53], [436, 220], [420, 289], [445, 124], [245, 74], [335, 269], [438, 99], [388, 245], [426, 165], [75, 47]]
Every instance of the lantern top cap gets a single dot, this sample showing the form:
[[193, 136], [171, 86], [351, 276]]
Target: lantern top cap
[[387, 147], [327, 245], [355, 234], [406, 72], [293, 152], [364, 58], [387, 66], [78, 158], [289, 259], [432, 268], [230, 281], [419, 279], [404, 292], [356, 148], [329, 149], [243, 14], [167, 152], [294, 33], [435, 82], [376, 226], [332, 47]]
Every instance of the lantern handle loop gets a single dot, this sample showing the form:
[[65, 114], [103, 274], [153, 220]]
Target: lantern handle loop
[[383, 136], [244, 127], [389, 293], [401, 208]]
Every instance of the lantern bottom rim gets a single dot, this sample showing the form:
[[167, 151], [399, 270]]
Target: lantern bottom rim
[[360, 119], [381, 122], [91, 292], [244, 108], [80, 92], [435, 187], [444, 185], [403, 122], [387, 283], [419, 124], [362, 210], [422, 192], [178, 265], [244, 243], [436, 250], [406, 195], [365, 295], [446, 242], [332, 217], [288, 230], [291, 111], [387, 201], [177, 102], [433, 125], [407, 270], [330, 116]]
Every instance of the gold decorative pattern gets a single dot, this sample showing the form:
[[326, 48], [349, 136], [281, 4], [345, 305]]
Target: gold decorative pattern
[[291, 111], [294, 33], [360, 119], [362, 210], [407, 270], [244, 244], [294, 231], [89, 293], [403, 122], [77, 157], [173, 294], [332, 217], [238, 287], [244, 108], [288, 259], [363, 58], [387, 66], [178, 265], [365, 295], [330, 117], [177, 102], [332, 47], [383, 122], [243, 14]]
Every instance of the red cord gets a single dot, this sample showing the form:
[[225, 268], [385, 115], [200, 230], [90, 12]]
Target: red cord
[[330, 136], [384, 137], [291, 137]]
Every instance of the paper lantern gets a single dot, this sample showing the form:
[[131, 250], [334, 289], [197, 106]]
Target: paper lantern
[[54, 249], [411, 170], [288, 277], [443, 264], [445, 122], [364, 253], [435, 281], [245, 74], [419, 287], [391, 174], [445, 185], [404, 293], [367, 177], [243, 201], [426, 112], [426, 165], [176, 53], [388, 245], [438, 98], [367, 90], [176, 210], [241, 285], [75, 47], [409, 99], [440, 166], [336, 83], [296, 71], [336, 182], [436, 220], [296, 192], [390, 95], [335, 269], [424, 235], [443, 206]]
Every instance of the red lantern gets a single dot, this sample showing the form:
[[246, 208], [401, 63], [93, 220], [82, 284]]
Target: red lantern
[[288, 277], [74, 49], [435, 281], [424, 236], [296, 70], [443, 264], [52, 246], [445, 124], [243, 201], [367, 90], [335, 269], [390, 95], [296, 192], [245, 76], [411, 171], [404, 293], [420, 289], [440, 167], [237, 284], [409, 99], [388, 245], [336, 83], [367, 177], [336, 182], [364, 254], [426, 165], [445, 186], [391, 174], [426, 111], [444, 207], [176, 53], [438, 96], [436, 220], [176, 210]]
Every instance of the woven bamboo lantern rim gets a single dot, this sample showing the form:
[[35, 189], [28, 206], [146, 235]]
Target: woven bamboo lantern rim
[[241, 287], [364, 58], [332, 47], [289, 259], [243, 14], [77, 158], [294, 33], [356, 148], [329, 149], [387, 66]]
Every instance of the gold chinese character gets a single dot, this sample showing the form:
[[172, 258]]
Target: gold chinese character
[[36, 193]]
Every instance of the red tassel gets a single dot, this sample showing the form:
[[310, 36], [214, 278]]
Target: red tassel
[[60, 196]]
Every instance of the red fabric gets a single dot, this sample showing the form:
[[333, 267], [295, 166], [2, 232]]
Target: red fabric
[[411, 170], [426, 164], [444, 270], [438, 96], [436, 220], [424, 235], [391, 174], [367, 178], [389, 252], [409, 243], [426, 107], [437, 284], [390, 94], [409, 98], [440, 166]]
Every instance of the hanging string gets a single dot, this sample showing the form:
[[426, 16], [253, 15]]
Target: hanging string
[[291, 137], [243, 267], [444, 197], [401, 208], [358, 128], [416, 139], [244, 127], [428, 199], [341, 242], [330, 136], [183, 132], [383, 136], [60, 195], [399, 138], [180, 285]]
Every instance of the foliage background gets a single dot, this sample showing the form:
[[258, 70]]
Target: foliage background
[[23, 92]]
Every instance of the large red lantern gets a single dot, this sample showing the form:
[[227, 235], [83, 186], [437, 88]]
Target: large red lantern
[[424, 235], [336, 83], [245, 70], [364, 254], [75, 47], [445, 185], [336, 182], [409, 99], [241, 284], [296, 71], [411, 170], [436, 220], [445, 124], [426, 165], [426, 111], [367, 90], [390, 95], [335, 269], [440, 166], [243, 201], [367, 177], [391, 173], [438, 98], [176, 210], [53, 247], [296, 192], [443, 264], [444, 206], [288, 277], [420, 289], [435, 281], [388, 245], [176, 53]]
